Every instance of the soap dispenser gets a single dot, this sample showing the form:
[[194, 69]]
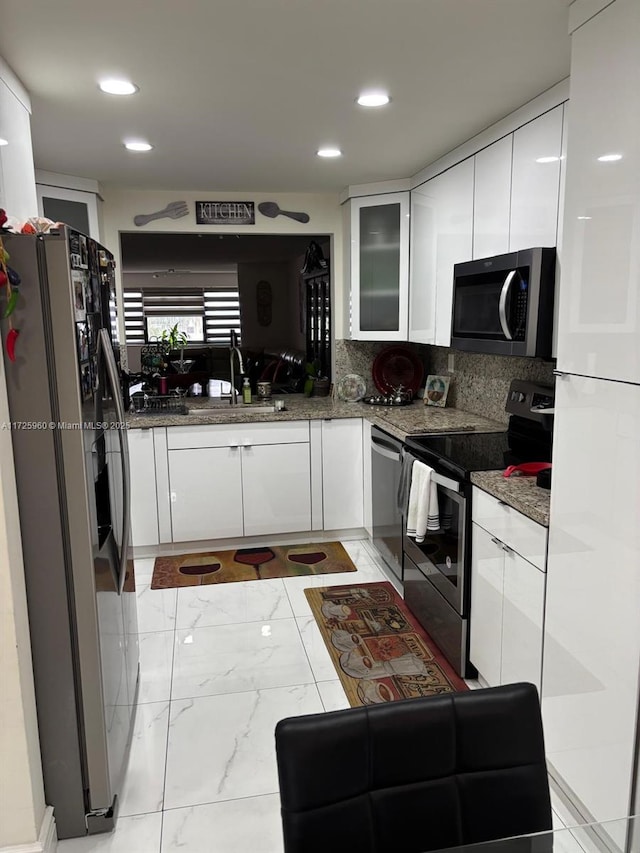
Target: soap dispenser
[[246, 390]]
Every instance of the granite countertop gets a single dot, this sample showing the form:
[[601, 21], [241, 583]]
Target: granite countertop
[[519, 492], [415, 419]]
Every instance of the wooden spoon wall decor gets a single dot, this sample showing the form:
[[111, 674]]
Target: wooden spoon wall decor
[[271, 209]]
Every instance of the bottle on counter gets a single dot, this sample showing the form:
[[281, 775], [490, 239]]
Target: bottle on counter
[[246, 390]]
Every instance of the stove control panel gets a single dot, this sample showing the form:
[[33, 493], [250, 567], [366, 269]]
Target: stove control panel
[[530, 400]]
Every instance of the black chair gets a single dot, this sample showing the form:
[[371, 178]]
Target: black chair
[[414, 775]]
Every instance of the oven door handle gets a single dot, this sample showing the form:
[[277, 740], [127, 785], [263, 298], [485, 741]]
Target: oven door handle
[[445, 482], [504, 295], [384, 449]]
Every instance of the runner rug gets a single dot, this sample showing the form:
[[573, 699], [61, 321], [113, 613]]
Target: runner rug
[[248, 564], [378, 648]]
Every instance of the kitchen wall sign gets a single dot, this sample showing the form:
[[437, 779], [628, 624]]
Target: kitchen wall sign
[[225, 213]]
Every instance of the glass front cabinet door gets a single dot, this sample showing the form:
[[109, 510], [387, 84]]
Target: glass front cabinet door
[[380, 267]]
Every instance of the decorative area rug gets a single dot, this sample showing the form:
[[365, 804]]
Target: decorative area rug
[[379, 650], [249, 564]]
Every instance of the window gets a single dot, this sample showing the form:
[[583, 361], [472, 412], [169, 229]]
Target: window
[[191, 325], [203, 315]]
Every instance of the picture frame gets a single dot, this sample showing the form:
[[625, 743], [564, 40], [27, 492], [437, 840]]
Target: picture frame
[[82, 335], [80, 309], [92, 331], [436, 390], [86, 381]]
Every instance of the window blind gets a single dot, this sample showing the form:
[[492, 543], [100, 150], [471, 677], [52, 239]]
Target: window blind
[[219, 308], [222, 313]]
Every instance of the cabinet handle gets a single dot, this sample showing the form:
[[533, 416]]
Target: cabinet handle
[[248, 446], [233, 447], [496, 542], [560, 374]]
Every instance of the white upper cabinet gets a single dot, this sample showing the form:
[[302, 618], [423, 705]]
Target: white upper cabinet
[[77, 208], [379, 227], [441, 235], [451, 194], [492, 199], [422, 276], [535, 182], [599, 324]]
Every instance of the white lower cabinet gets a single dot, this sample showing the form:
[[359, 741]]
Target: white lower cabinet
[[342, 474], [197, 482], [206, 493], [507, 609], [228, 481], [367, 482], [487, 583], [522, 620], [144, 507], [276, 488]]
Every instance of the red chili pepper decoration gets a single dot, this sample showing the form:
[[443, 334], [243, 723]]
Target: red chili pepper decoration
[[12, 337], [3, 278]]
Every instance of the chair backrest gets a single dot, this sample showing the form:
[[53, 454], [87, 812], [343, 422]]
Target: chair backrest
[[414, 775]]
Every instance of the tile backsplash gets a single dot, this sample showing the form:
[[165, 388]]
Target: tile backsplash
[[479, 383]]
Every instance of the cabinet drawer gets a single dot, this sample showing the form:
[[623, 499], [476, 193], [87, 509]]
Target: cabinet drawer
[[526, 537], [227, 435]]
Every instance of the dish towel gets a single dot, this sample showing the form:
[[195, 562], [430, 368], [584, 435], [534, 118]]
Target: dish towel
[[423, 513], [406, 465]]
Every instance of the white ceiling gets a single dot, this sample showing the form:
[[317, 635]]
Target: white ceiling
[[239, 94]]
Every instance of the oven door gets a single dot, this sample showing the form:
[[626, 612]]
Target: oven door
[[441, 557]]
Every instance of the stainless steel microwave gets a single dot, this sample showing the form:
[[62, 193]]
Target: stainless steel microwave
[[504, 305]]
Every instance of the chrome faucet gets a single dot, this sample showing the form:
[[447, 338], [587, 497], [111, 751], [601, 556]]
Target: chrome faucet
[[233, 350]]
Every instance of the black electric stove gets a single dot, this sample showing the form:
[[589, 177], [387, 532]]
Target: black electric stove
[[437, 567], [527, 438]]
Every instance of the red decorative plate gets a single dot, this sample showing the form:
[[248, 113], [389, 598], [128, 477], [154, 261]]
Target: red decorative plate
[[398, 365]]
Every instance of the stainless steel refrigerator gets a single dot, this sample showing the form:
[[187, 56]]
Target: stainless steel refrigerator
[[72, 472]]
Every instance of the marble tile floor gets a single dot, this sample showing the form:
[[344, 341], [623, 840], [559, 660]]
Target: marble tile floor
[[219, 666]]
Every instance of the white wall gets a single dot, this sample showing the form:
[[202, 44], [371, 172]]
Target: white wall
[[281, 333], [17, 175], [120, 206], [22, 806]]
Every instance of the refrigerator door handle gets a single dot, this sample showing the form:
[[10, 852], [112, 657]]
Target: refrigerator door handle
[[104, 346]]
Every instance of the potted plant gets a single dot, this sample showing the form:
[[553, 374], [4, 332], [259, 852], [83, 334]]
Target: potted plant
[[174, 339], [315, 384]]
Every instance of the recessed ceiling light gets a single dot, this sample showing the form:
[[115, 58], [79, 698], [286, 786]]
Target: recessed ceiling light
[[373, 99], [609, 158], [4, 141], [329, 152], [547, 159], [138, 146], [118, 87], [584, 217]]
